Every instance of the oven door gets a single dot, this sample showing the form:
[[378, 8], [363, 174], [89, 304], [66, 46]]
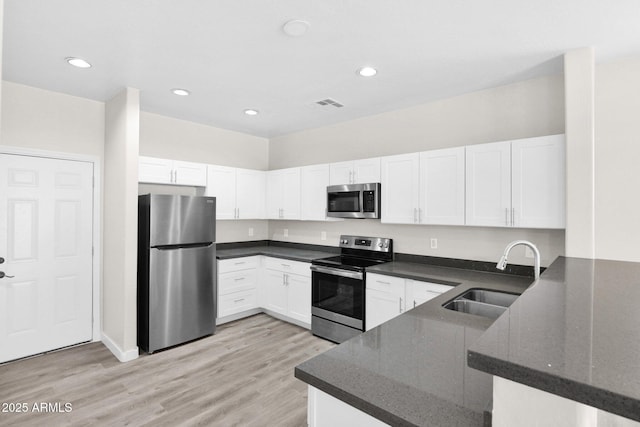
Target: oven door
[[338, 295]]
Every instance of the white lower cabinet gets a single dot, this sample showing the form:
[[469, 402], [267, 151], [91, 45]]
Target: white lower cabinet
[[324, 410], [250, 284], [237, 285], [288, 288], [388, 296]]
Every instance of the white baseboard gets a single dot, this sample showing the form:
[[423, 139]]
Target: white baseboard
[[123, 356]]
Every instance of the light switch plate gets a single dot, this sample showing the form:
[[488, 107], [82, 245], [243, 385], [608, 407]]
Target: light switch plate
[[323, 235], [434, 243], [286, 232]]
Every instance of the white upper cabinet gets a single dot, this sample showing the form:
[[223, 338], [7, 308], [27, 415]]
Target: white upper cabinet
[[488, 193], [313, 192], [442, 186], [283, 194], [517, 183], [174, 172], [355, 172], [538, 182], [424, 188], [239, 193], [221, 184], [400, 188], [251, 188]]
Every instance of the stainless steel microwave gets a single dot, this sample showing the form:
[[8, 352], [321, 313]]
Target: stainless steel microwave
[[353, 200]]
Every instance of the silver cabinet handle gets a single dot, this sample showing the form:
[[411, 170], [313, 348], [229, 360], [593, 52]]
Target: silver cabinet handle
[[419, 215], [175, 176], [506, 216], [238, 300], [383, 283], [414, 303], [400, 305], [415, 215], [239, 263], [513, 217], [350, 177], [286, 265], [238, 279]]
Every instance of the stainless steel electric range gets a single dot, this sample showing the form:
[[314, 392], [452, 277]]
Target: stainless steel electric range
[[338, 286]]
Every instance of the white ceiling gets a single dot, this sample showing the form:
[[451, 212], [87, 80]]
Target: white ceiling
[[233, 54]]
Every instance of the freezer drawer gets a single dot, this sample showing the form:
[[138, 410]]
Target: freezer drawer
[[182, 288]]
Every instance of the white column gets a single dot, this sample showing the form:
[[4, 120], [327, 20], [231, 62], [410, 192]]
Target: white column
[[122, 137], [579, 72]]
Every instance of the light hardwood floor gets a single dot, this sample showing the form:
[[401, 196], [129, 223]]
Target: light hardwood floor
[[242, 376]]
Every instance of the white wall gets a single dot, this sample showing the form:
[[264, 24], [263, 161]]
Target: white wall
[[162, 136], [119, 289], [46, 120], [171, 138], [525, 109], [529, 108], [617, 176]]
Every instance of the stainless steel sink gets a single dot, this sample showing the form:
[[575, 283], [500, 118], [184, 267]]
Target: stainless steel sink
[[482, 302]]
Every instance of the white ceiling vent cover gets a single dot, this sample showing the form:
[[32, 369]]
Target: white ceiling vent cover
[[329, 101]]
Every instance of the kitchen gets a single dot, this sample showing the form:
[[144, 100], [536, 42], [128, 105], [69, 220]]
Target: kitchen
[[38, 119]]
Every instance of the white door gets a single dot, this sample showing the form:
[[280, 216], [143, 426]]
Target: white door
[[488, 189], [400, 189], [313, 193], [366, 171], [156, 171], [276, 291], [442, 186], [299, 297], [274, 194], [189, 173], [538, 182], [46, 217], [250, 193], [341, 173], [291, 193], [221, 184]]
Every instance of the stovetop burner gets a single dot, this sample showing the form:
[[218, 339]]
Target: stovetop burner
[[359, 252]]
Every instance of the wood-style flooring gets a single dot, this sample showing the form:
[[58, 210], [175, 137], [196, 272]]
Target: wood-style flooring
[[242, 376]]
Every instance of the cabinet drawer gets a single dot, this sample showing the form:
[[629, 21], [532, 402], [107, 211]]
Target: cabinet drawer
[[237, 302], [237, 281], [237, 264], [288, 266], [384, 283], [427, 288]]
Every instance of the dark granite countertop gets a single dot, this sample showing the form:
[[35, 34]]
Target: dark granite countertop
[[411, 370], [575, 333], [284, 250]]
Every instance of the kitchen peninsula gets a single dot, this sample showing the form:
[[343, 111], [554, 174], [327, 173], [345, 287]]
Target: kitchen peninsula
[[574, 333]]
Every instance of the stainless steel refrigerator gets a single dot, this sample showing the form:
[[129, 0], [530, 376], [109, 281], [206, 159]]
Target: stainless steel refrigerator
[[176, 270]]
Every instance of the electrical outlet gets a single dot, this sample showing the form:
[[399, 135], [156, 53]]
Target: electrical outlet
[[434, 243], [323, 235], [528, 252], [286, 232], [250, 231]]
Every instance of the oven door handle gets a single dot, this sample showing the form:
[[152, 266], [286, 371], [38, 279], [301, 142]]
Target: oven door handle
[[338, 272]]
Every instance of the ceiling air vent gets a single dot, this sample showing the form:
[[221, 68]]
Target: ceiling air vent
[[330, 101]]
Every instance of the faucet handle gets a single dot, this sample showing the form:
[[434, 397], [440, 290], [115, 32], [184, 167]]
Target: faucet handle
[[502, 264]]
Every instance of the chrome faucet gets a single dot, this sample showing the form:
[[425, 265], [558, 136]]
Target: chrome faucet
[[502, 264]]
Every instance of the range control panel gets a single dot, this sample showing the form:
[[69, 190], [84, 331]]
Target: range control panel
[[380, 244]]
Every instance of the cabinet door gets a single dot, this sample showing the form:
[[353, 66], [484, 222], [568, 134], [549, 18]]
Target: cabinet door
[[250, 193], [442, 186], [400, 188], [156, 171], [221, 184], [419, 292], [274, 194], [366, 171], [488, 189], [189, 173], [341, 173], [538, 182], [291, 193], [275, 292], [384, 299], [313, 192], [299, 297]]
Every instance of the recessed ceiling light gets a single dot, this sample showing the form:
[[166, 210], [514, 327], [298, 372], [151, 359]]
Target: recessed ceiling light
[[367, 71], [251, 112], [78, 62], [180, 92], [295, 28]]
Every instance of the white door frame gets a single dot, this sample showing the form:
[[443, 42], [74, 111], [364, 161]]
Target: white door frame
[[97, 218]]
